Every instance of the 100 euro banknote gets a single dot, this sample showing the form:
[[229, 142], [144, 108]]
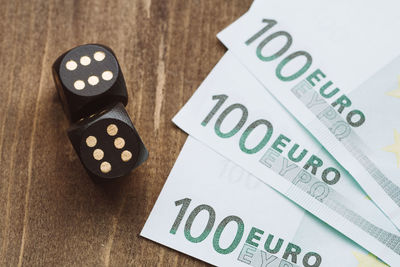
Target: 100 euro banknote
[[232, 113], [335, 67], [213, 210]]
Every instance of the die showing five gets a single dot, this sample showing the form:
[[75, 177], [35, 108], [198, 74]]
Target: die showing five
[[92, 90], [88, 77]]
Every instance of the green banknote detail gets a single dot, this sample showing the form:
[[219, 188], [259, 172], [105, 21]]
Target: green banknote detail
[[299, 177], [308, 183], [250, 254], [343, 132]]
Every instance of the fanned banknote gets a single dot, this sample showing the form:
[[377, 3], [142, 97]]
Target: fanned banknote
[[233, 114], [213, 210], [335, 67]]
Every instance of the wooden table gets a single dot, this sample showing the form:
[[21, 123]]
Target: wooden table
[[51, 212]]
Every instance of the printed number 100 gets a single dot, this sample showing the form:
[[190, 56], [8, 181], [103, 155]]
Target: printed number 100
[[242, 143], [208, 227]]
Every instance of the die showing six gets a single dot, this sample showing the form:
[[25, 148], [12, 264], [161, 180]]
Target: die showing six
[[93, 93]]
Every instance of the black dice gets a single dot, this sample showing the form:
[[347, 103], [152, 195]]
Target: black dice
[[88, 77], [107, 143], [92, 90]]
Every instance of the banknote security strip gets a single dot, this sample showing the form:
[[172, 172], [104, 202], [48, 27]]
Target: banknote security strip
[[317, 189], [344, 133]]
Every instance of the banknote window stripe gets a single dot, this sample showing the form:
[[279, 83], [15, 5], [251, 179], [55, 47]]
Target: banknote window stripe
[[349, 143], [329, 201], [393, 241]]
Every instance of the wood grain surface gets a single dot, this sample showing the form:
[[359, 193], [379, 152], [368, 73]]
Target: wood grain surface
[[51, 212]]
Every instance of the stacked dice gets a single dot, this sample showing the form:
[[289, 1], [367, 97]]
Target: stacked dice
[[93, 93]]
